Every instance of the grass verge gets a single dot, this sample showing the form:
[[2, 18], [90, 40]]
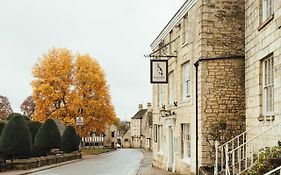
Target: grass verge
[[95, 151]]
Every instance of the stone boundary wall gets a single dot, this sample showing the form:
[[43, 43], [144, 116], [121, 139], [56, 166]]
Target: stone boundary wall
[[35, 162]]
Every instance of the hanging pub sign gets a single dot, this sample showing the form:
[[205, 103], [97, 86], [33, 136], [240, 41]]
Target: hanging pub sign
[[159, 71]]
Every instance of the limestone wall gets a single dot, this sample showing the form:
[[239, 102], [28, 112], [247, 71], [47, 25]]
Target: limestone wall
[[222, 104], [261, 40], [222, 28], [216, 37]]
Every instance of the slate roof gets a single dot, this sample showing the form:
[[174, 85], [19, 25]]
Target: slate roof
[[139, 114]]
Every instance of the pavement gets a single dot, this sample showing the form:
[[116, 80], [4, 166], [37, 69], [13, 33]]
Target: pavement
[[146, 167]]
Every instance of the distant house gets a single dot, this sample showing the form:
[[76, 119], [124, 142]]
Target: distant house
[[141, 125], [95, 139], [126, 139], [110, 139]]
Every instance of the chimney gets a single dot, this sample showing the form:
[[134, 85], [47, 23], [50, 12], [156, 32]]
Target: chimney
[[140, 106]]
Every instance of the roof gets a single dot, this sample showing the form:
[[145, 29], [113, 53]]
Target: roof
[[176, 18], [139, 114]]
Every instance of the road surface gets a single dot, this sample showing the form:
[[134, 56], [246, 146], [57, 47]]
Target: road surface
[[120, 162]]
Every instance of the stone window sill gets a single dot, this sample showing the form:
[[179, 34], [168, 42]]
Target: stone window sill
[[263, 24], [266, 117]]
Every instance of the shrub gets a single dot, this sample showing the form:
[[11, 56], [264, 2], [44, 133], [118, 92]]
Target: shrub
[[2, 125], [16, 138], [48, 137], [12, 114], [70, 141], [34, 127], [269, 159]]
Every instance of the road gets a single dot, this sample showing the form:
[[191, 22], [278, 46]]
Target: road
[[120, 162]]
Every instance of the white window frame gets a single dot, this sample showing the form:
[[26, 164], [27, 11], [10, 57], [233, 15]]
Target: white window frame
[[268, 85], [186, 143], [171, 88], [267, 9], [186, 81]]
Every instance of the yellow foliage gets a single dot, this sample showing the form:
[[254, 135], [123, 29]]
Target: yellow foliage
[[68, 86]]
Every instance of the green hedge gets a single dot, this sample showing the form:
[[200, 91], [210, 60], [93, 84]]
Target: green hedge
[[70, 141], [47, 138], [16, 139]]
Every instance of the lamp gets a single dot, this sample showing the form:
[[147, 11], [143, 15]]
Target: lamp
[[166, 113]]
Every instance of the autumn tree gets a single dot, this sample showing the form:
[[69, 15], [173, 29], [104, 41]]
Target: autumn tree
[[5, 108], [92, 99], [28, 106], [67, 86], [52, 84]]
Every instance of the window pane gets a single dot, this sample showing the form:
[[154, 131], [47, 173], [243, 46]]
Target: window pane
[[185, 81], [268, 85], [186, 141]]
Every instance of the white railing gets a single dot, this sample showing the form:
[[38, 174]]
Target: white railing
[[221, 150], [274, 171], [239, 154]]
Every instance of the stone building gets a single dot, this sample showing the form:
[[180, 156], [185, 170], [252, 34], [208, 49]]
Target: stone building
[[110, 138], [146, 129], [127, 139], [141, 128], [262, 87], [204, 45], [263, 61]]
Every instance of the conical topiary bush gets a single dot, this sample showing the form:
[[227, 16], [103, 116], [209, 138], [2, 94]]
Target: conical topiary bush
[[70, 141], [16, 139], [34, 127], [47, 138]]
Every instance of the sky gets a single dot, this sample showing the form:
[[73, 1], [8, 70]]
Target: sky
[[116, 33]]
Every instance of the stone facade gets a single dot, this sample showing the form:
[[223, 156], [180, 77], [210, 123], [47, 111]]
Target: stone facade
[[146, 129], [263, 40], [141, 128], [110, 139], [127, 139], [208, 37]]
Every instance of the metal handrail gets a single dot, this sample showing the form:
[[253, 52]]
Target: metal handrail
[[238, 136], [273, 171], [254, 137], [238, 154]]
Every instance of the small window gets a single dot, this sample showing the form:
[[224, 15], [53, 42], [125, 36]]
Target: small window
[[185, 81], [155, 132], [112, 134], [268, 85], [186, 144], [267, 9]]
